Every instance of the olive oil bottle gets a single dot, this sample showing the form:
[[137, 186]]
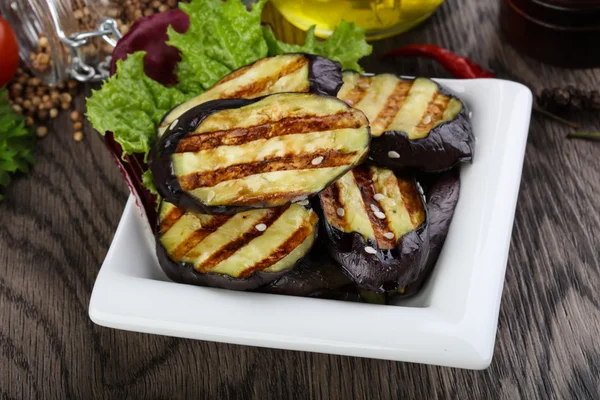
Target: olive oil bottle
[[380, 18]]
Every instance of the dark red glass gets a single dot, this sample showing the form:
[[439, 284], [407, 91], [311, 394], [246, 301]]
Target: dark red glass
[[565, 33]]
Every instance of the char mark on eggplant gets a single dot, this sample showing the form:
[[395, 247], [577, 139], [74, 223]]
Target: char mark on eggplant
[[376, 227], [302, 73], [254, 245], [415, 123], [265, 153]]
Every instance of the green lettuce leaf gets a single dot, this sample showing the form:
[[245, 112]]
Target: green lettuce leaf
[[148, 182], [346, 45], [130, 104], [16, 143], [223, 36]]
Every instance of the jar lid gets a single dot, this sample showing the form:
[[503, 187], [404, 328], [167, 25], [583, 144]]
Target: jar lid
[[565, 14]]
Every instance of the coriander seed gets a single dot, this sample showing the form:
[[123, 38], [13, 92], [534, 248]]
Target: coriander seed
[[78, 136], [75, 116], [41, 131], [66, 97]]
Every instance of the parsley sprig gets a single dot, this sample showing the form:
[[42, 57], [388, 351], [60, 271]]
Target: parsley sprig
[[16, 143]]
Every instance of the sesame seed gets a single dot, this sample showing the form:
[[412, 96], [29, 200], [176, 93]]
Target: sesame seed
[[380, 215], [388, 235], [340, 212], [303, 202], [375, 209], [174, 124], [261, 227], [211, 195], [379, 197], [420, 188], [427, 119], [393, 154], [317, 161], [370, 250]]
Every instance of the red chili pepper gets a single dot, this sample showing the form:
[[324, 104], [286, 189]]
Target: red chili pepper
[[459, 67]]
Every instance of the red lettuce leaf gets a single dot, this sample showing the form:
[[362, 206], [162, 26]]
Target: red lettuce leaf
[[149, 34]]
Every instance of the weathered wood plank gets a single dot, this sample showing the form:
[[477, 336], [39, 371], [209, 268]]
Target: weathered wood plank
[[59, 221]]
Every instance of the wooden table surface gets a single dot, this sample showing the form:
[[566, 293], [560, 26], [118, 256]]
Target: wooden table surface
[[57, 225]]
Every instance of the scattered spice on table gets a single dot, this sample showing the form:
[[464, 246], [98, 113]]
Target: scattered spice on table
[[570, 98], [40, 103]]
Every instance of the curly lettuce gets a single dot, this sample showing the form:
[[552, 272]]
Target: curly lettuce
[[222, 37], [130, 104], [346, 45]]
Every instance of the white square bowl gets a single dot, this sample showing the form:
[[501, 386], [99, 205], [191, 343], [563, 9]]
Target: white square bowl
[[452, 322]]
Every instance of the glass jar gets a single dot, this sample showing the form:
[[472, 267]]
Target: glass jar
[[565, 33], [379, 18], [63, 39]]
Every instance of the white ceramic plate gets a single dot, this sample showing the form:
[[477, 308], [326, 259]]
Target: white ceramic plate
[[452, 322]]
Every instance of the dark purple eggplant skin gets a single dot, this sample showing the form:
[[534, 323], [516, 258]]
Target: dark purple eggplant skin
[[160, 164], [182, 272], [388, 269], [324, 75], [442, 198], [317, 275], [447, 145]]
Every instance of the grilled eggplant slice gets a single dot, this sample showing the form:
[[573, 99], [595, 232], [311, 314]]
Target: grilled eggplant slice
[[284, 73], [230, 155], [317, 275], [415, 124], [243, 251], [442, 197], [377, 228]]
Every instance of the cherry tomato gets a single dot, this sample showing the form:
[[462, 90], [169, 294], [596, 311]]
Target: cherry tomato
[[9, 62]]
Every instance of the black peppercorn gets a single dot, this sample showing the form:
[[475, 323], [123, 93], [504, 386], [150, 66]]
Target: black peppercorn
[[569, 98]]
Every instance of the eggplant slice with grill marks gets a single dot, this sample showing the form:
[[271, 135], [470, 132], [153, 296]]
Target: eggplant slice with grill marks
[[242, 251], [303, 73], [227, 156], [317, 275], [415, 124], [377, 227], [442, 198]]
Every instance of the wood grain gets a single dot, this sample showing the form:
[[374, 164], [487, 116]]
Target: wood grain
[[58, 222]]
